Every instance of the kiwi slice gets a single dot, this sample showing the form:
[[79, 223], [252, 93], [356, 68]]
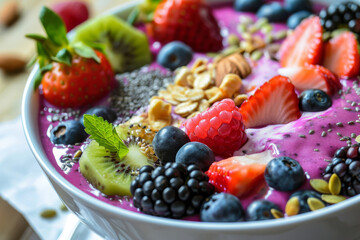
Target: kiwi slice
[[110, 174], [126, 47]]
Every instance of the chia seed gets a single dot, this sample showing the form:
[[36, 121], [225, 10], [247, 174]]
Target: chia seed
[[311, 131], [302, 136], [136, 89], [323, 134], [351, 123]]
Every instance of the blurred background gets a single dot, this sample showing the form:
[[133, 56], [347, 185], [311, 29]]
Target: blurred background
[[17, 18], [29, 208]]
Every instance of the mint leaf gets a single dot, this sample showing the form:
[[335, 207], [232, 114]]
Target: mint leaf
[[63, 56], [104, 134], [54, 26], [39, 75], [85, 51]]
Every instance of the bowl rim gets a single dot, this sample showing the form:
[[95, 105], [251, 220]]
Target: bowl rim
[[30, 127]]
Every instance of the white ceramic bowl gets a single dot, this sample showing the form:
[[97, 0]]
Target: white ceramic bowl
[[339, 221]]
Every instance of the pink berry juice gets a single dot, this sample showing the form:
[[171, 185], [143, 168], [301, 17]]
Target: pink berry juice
[[311, 140]]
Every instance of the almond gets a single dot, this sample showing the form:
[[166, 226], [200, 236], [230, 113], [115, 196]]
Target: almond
[[9, 13], [11, 64], [234, 63]]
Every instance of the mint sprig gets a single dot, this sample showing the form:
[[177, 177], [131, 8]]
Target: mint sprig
[[104, 134]]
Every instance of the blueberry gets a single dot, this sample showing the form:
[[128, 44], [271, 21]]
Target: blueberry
[[167, 142], [295, 19], [68, 133], [195, 153], [248, 5], [222, 207], [261, 210], [303, 195], [101, 111], [274, 12], [293, 6], [314, 100], [175, 54], [284, 174]]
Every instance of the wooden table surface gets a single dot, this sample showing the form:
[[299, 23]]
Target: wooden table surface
[[12, 41]]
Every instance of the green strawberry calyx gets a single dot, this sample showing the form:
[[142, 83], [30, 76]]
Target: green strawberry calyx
[[55, 46], [144, 12]]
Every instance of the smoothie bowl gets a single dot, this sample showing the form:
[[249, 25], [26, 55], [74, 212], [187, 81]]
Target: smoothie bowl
[[264, 122]]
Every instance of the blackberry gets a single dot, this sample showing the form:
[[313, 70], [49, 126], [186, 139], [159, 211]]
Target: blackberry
[[341, 14], [173, 190], [346, 164]]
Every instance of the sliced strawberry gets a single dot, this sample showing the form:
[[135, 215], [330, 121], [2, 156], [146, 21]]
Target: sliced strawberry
[[312, 77], [341, 55], [189, 21], [239, 175], [304, 45], [275, 102]]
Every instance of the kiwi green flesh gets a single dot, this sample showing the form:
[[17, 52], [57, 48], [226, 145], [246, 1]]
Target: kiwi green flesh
[[126, 47], [106, 172], [122, 131]]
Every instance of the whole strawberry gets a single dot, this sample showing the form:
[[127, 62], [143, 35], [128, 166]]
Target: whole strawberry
[[189, 21], [220, 128], [71, 75], [83, 82]]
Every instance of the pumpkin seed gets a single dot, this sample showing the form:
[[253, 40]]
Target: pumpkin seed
[[245, 20], [266, 28], [334, 184], [276, 213], [261, 22], [332, 199], [292, 206], [315, 203], [48, 213], [77, 154], [357, 139], [63, 208], [337, 32], [320, 185], [280, 35], [233, 40], [326, 36], [241, 28], [256, 55], [269, 39]]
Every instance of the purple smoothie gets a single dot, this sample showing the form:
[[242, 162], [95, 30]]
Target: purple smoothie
[[312, 152]]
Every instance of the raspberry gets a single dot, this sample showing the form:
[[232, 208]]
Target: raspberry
[[220, 128]]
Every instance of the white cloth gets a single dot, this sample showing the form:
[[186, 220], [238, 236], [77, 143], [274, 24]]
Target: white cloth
[[24, 185]]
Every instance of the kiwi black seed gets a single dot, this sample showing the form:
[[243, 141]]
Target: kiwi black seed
[[125, 47]]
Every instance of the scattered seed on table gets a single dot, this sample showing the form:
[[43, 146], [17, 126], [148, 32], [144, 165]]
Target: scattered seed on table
[[48, 213]]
